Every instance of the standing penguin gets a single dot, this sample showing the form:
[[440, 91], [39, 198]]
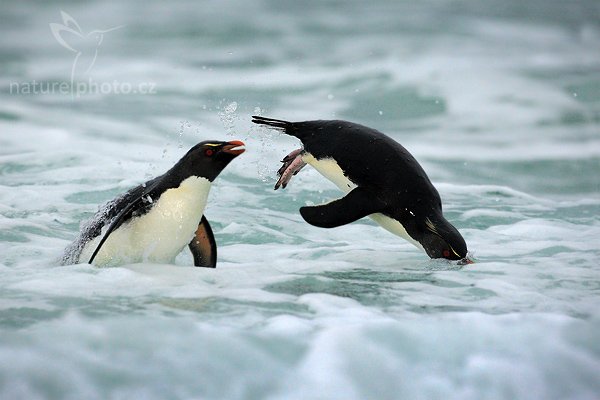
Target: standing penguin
[[381, 180], [153, 222]]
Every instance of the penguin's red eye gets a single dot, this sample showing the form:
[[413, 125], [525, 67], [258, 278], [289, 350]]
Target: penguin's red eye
[[209, 152], [446, 253]]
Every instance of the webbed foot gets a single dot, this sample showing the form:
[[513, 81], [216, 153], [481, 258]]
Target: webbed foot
[[292, 164]]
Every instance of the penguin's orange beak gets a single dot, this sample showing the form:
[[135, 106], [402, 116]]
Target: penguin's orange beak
[[235, 147], [466, 261]]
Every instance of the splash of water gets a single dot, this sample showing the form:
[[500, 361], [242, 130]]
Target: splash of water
[[229, 117], [265, 171]]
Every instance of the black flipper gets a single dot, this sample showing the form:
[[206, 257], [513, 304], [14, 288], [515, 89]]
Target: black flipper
[[139, 201], [358, 203], [203, 246]]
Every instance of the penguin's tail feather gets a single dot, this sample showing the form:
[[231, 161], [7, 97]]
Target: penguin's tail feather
[[275, 123], [290, 128]]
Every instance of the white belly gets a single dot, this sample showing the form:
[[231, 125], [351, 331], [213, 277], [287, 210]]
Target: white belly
[[330, 169], [160, 234]]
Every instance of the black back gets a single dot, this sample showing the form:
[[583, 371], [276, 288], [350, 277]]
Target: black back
[[370, 159]]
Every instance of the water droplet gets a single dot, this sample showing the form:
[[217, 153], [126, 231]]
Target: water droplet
[[264, 172], [380, 112], [228, 116]]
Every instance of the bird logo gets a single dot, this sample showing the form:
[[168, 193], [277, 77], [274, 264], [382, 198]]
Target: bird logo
[[85, 46]]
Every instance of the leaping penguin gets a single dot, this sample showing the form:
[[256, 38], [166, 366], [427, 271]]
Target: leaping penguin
[[381, 180], [154, 221]]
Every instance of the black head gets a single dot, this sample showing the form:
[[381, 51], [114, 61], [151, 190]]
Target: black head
[[442, 240], [207, 159]]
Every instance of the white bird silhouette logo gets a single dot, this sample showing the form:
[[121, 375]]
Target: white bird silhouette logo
[[80, 43]]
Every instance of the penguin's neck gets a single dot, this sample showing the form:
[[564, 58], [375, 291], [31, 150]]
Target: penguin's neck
[[185, 201]]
